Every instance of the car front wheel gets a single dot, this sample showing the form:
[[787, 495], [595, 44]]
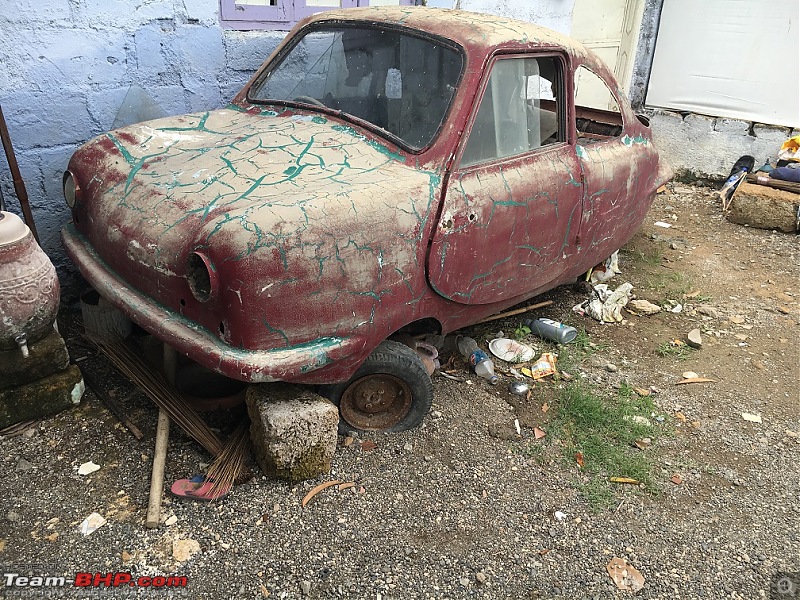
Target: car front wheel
[[391, 392]]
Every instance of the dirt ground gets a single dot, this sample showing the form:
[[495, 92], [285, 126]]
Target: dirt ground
[[464, 507]]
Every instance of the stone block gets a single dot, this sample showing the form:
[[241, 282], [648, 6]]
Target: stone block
[[247, 50], [46, 396], [46, 357], [765, 208], [734, 126], [149, 57], [64, 122], [292, 429], [198, 50], [26, 12]]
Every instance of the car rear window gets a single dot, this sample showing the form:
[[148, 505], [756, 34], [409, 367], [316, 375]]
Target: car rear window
[[398, 82]]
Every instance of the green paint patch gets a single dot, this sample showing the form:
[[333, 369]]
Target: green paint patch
[[319, 120], [371, 143]]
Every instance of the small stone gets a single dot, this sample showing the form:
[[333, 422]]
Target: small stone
[[436, 414], [23, 465], [183, 550], [737, 320], [480, 577], [276, 508], [693, 338], [708, 311], [464, 582], [643, 307], [88, 468], [12, 516], [126, 557], [408, 447], [171, 521], [611, 368], [689, 375], [305, 587]]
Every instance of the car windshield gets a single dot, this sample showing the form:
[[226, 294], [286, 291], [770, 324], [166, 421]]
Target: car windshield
[[398, 82]]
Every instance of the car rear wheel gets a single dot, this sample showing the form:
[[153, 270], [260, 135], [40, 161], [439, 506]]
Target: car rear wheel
[[391, 391]]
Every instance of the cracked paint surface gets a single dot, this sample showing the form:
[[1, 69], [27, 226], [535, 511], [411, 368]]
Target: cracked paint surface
[[322, 238]]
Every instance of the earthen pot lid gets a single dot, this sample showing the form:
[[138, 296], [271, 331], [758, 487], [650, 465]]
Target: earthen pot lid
[[12, 228]]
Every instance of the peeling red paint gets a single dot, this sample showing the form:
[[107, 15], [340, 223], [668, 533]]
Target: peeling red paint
[[323, 236]]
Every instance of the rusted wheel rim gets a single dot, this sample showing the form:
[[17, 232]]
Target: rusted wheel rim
[[375, 402]]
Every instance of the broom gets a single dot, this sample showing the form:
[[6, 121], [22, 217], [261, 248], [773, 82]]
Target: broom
[[131, 364], [229, 467]]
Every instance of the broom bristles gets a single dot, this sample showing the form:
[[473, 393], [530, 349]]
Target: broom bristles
[[229, 467]]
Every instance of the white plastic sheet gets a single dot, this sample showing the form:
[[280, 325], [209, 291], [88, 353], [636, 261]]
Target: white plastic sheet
[[729, 58]]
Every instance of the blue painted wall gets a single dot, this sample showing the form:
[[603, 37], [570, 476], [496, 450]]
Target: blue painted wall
[[72, 69]]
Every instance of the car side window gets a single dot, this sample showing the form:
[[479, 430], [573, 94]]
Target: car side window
[[519, 111], [596, 108]]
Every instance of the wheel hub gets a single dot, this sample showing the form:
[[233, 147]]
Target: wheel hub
[[375, 402]]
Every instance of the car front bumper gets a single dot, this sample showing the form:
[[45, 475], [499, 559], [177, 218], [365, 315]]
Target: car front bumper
[[255, 366]]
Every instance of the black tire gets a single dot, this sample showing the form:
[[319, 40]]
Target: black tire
[[376, 398]]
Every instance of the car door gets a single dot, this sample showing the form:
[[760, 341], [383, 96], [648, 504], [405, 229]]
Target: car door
[[618, 169], [512, 204]]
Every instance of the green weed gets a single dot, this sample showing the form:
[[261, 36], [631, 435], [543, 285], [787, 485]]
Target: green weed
[[603, 431]]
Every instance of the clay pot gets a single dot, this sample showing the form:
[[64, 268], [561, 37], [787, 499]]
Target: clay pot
[[29, 289]]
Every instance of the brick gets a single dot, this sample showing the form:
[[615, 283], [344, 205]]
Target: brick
[[293, 431]]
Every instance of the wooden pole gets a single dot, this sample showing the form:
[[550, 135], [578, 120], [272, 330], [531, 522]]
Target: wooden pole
[[19, 185], [518, 311], [160, 452]]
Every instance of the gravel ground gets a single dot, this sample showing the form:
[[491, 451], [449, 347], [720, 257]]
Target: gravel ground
[[453, 509]]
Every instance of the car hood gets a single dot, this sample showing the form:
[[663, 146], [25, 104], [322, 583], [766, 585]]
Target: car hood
[[241, 183]]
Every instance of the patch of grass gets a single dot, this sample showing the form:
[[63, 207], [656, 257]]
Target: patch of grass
[[521, 332], [652, 256], [601, 428], [672, 285], [673, 350]]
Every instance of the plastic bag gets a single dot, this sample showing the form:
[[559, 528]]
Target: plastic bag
[[790, 150]]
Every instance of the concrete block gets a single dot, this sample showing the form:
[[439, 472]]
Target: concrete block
[[66, 121], [70, 59], [43, 397], [202, 96], [772, 134], [247, 50], [122, 13], [46, 357], [52, 163], [203, 11], [149, 57], [39, 11], [732, 126], [293, 430], [198, 50], [765, 208]]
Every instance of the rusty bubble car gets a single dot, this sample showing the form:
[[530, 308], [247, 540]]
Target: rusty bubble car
[[386, 171]]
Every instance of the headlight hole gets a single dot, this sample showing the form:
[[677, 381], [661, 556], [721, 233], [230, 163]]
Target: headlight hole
[[199, 276]]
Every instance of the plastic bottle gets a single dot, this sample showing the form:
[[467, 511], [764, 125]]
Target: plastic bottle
[[478, 359], [552, 330]]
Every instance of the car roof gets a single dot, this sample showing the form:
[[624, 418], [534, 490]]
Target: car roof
[[469, 29]]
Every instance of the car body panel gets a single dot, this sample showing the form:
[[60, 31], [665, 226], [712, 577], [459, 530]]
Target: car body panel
[[323, 236]]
